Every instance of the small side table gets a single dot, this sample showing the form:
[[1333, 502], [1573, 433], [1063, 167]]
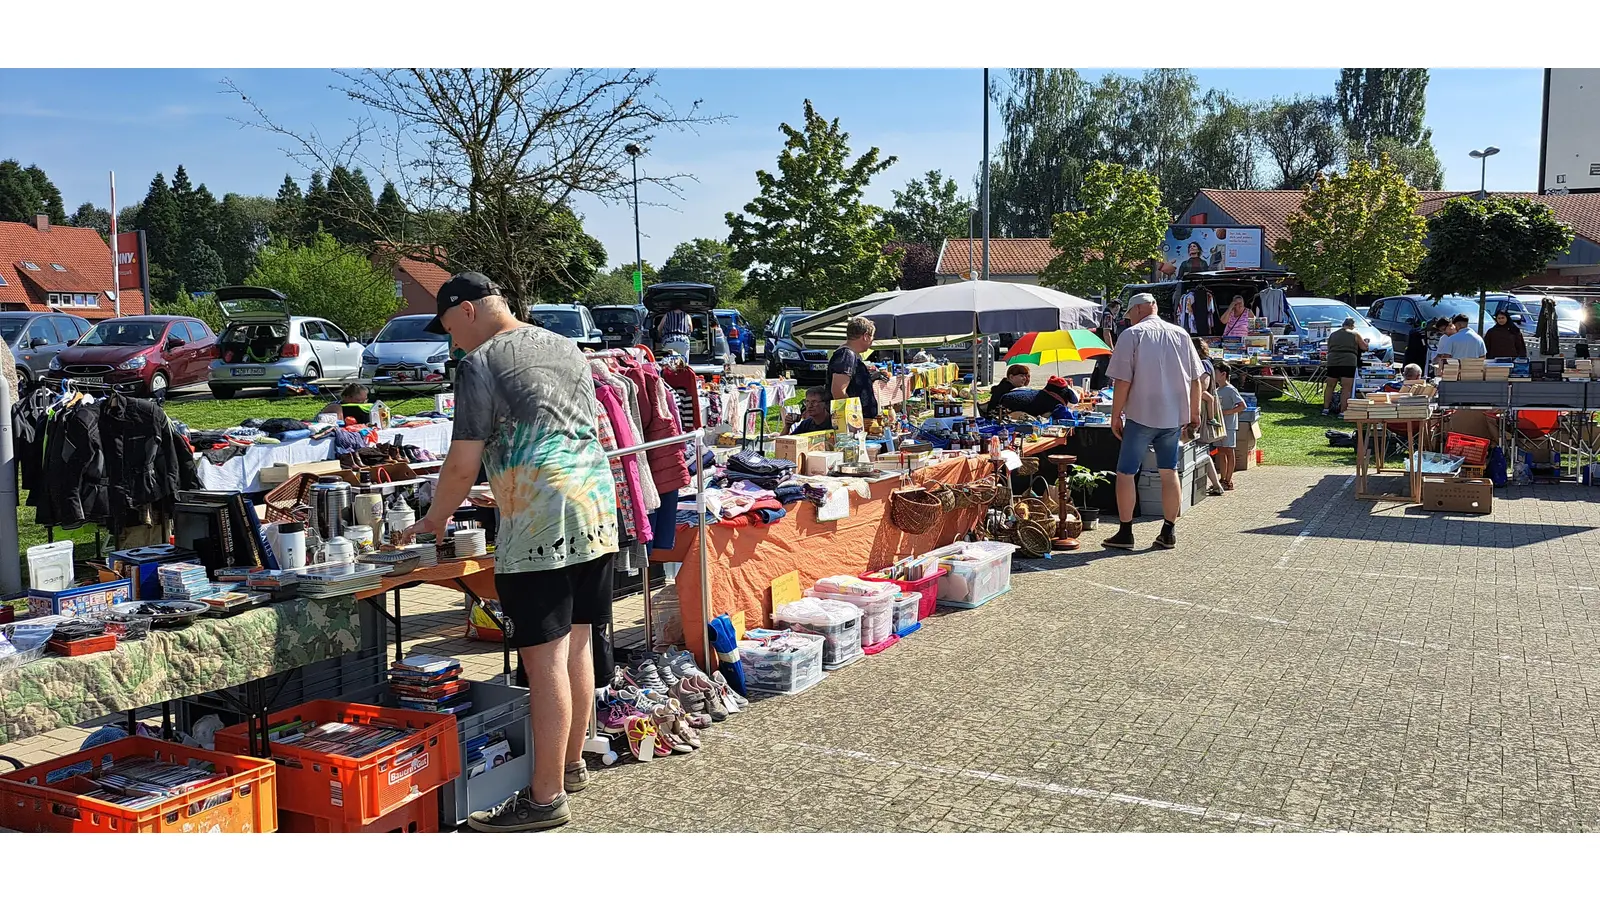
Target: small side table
[[1061, 462], [1366, 429]]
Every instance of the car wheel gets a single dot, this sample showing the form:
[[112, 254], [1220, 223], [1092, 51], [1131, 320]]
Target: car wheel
[[222, 392], [313, 372], [158, 386]]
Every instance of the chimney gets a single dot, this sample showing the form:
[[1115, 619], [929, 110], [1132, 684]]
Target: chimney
[[41, 222]]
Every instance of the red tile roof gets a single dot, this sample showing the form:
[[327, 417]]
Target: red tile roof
[[1007, 256], [429, 276], [1271, 209], [81, 252]]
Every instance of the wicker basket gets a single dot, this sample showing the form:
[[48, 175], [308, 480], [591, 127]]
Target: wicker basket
[[914, 510], [943, 493], [981, 492], [1031, 508], [1033, 538], [1029, 467], [283, 500], [1072, 522]]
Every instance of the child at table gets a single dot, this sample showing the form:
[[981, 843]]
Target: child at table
[[1232, 403]]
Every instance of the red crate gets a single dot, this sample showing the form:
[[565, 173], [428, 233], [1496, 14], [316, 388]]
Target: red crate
[[928, 587], [83, 646], [1474, 449], [420, 816], [358, 791], [46, 797]]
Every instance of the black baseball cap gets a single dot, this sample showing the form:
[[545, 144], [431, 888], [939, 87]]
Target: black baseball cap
[[458, 290]]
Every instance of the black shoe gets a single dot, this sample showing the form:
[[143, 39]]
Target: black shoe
[[1168, 538], [1122, 540]]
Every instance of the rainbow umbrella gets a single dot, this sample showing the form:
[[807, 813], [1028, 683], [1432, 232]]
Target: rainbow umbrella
[[1044, 347]]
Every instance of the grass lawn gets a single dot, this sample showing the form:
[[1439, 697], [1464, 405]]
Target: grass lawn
[[213, 414], [1292, 435]]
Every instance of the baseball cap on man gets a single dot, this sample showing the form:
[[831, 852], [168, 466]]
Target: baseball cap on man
[[458, 290], [1137, 299]]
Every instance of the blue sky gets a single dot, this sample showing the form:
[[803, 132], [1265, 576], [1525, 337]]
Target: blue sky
[[78, 124]]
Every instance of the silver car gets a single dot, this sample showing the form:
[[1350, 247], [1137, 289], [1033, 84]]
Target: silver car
[[262, 344], [1304, 310], [406, 352]]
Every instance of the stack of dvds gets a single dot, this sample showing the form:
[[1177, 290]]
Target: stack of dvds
[[338, 738], [428, 683], [184, 581], [142, 783]]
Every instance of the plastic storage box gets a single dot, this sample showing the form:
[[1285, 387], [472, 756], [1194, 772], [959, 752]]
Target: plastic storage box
[[80, 601], [420, 816], [927, 586], [907, 613], [46, 797], [496, 707], [838, 623], [358, 791], [975, 573], [877, 611], [50, 566], [787, 662]]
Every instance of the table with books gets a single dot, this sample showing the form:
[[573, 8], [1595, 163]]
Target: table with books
[[1376, 417]]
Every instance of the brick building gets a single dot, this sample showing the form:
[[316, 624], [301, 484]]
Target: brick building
[[59, 267]]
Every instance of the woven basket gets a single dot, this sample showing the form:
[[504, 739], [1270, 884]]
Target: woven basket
[[1033, 538], [943, 493], [1002, 491], [914, 510], [1072, 522], [1031, 508], [981, 492], [283, 500], [1029, 467]]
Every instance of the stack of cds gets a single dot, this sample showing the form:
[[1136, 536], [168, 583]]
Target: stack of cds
[[470, 542], [226, 603], [430, 684], [336, 579], [141, 783], [184, 581]]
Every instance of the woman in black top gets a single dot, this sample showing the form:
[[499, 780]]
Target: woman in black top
[[1056, 392], [1016, 377]]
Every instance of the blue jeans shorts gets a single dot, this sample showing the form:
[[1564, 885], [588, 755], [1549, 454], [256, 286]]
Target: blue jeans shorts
[[1136, 439]]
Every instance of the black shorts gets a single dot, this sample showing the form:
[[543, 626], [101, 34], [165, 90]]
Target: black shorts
[[543, 606], [1341, 371]]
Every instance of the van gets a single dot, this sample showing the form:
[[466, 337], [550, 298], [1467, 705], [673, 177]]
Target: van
[[708, 346]]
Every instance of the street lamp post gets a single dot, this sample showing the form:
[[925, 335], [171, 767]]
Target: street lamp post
[[1482, 156], [972, 264], [638, 253]]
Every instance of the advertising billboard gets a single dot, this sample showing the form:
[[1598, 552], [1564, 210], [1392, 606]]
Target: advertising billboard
[[1199, 248], [1569, 143], [131, 272]]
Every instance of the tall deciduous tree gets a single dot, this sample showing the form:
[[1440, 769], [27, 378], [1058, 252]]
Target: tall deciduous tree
[[1355, 233], [918, 265], [326, 280], [1383, 112], [1112, 239], [707, 261], [615, 288], [202, 269], [1050, 133], [929, 210], [503, 151], [88, 215], [1302, 137], [1223, 150], [1475, 245], [810, 239]]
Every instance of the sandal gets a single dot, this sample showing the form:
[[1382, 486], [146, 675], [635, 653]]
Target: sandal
[[662, 719], [678, 725], [642, 740]]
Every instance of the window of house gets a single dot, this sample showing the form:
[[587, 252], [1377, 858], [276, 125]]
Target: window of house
[[58, 267], [29, 266], [3, 281], [53, 299], [399, 288]]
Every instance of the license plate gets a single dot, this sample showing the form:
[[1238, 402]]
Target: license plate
[[818, 367], [87, 379], [247, 371]]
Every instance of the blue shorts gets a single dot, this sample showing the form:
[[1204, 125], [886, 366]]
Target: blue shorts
[[1136, 439]]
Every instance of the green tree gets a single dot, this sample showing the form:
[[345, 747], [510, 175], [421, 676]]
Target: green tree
[[1383, 112], [288, 213], [1302, 137], [158, 218], [1357, 232], [703, 260], [1112, 239], [243, 228], [88, 215], [1223, 150], [202, 269], [810, 239], [203, 308], [615, 288], [551, 261], [19, 193], [929, 210], [350, 204], [317, 213], [391, 211], [1051, 125], [1475, 245], [49, 196], [326, 280], [918, 265]]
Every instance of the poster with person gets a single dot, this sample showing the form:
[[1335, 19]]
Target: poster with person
[[1188, 249]]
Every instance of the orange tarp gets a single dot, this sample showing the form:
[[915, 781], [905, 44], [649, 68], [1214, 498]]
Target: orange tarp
[[743, 561]]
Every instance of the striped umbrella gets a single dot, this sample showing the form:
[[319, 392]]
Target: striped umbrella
[[1043, 347]]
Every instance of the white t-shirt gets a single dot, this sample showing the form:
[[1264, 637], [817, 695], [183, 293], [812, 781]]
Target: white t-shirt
[[1159, 359], [1464, 344]]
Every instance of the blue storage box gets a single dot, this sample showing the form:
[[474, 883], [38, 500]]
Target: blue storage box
[[80, 601], [139, 565]]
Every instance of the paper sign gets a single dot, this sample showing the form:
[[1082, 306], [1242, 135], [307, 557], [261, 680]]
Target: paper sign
[[445, 404], [1013, 461], [738, 625], [785, 589]]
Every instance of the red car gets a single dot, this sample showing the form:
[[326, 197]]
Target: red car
[[139, 354]]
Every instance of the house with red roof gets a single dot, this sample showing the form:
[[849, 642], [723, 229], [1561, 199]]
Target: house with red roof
[[47, 267], [1018, 260], [416, 281]]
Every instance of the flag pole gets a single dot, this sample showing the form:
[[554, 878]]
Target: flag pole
[[116, 280]]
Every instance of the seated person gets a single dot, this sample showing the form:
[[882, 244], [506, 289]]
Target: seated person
[[1414, 383], [1016, 377], [1056, 392], [353, 394], [814, 415]]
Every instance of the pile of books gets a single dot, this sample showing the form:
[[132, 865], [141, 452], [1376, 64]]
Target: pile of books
[[1497, 371], [1462, 369], [1582, 370], [1411, 406], [335, 579], [184, 581], [430, 683], [226, 603]]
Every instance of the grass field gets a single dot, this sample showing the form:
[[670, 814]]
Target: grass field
[[1293, 434], [213, 414]]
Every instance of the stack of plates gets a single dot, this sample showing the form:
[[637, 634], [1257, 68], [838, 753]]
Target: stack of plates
[[470, 542], [427, 550], [184, 581]]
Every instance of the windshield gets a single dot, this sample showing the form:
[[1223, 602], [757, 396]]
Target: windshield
[[123, 334], [1569, 310], [9, 329], [1327, 311], [786, 322], [565, 322], [409, 330], [1449, 307], [623, 318]]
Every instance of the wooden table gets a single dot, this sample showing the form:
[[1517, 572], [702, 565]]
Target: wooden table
[[449, 573], [1365, 430]]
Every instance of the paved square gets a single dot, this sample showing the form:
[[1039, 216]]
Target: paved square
[[1302, 662]]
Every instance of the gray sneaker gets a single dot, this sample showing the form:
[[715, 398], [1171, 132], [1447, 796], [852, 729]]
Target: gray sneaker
[[521, 814], [575, 778]]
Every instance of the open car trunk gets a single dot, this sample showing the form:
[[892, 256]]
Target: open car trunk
[[252, 342]]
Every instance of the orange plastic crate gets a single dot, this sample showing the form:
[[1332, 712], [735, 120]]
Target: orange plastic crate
[[358, 791], [1474, 449], [420, 816], [45, 797]]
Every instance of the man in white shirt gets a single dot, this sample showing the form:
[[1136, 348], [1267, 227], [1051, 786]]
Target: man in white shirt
[[1156, 375], [1464, 343]]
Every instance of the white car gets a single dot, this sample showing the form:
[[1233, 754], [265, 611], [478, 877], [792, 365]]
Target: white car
[[262, 343]]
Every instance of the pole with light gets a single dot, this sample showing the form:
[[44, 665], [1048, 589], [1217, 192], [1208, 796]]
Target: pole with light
[[972, 221], [1482, 156], [634, 150]]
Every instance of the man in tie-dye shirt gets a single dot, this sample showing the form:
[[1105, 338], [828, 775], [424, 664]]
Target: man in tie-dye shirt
[[526, 411]]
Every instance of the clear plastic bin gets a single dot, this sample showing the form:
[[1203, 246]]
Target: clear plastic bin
[[977, 573], [838, 623], [906, 614], [785, 667], [877, 611]]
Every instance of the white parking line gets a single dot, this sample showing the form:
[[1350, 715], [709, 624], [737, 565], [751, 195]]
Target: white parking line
[[1189, 603], [1312, 525]]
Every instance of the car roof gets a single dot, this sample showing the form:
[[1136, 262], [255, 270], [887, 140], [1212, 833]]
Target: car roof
[[162, 319], [556, 306], [633, 306]]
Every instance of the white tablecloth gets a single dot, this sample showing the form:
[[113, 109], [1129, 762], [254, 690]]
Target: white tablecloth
[[243, 473]]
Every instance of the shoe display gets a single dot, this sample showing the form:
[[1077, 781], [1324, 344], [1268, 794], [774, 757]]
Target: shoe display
[[646, 676], [728, 692]]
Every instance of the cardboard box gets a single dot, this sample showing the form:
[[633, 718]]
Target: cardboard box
[[794, 447], [278, 474], [1245, 447], [821, 462], [1463, 495]]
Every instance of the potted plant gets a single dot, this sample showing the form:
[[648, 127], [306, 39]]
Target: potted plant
[[1081, 482]]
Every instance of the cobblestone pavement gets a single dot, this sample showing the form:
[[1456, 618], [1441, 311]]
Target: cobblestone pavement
[[1302, 662]]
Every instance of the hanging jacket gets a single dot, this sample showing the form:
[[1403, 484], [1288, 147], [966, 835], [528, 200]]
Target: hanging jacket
[[1549, 337], [142, 459], [657, 408], [74, 469], [28, 419]]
